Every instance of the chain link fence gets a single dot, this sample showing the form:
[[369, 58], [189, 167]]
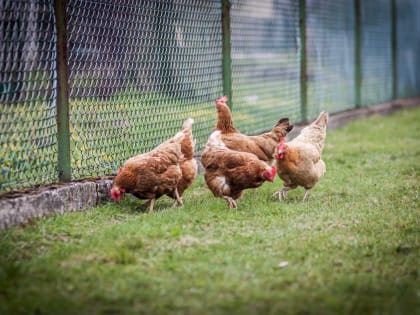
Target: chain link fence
[[28, 82], [265, 63], [138, 69], [408, 48], [330, 55], [375, 51]]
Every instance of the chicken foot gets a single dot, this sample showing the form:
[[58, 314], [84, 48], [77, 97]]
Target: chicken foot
[[231, 202], [282, 193], [178, 200]]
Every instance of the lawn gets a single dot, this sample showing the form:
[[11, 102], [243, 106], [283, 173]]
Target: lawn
[[352, 248]]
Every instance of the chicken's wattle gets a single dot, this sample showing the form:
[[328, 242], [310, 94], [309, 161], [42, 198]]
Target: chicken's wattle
[[116, 194]]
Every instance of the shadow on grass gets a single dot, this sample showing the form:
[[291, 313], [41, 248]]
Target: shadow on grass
[[135, 206]]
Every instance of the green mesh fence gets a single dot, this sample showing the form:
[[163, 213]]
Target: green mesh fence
[[28, 143], [265, 63], [138, 69], [375, 51], [408, 47], [330, 55]]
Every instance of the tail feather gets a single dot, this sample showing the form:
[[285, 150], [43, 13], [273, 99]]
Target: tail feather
[[322, 119], [315, 133], [179, 137], [188, 124], [187, 145], [215, 139]]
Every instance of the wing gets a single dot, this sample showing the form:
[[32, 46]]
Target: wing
[[306, 151], [243, 143]]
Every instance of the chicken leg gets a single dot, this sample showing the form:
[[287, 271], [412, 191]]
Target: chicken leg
[[306, 194], [178, 200], [149, 204]]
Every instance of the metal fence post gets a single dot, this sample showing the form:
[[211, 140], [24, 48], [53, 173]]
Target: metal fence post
[[357, 55], [394, 56], [64, 166], [226, 46], [303, 61]]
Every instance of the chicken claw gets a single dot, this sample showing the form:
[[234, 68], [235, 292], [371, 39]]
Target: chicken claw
[[231, 202], [281, 194], [276, 195], [177, 203]]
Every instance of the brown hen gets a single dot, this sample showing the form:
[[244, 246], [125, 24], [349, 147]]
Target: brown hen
[[153, 174], [228, 173]]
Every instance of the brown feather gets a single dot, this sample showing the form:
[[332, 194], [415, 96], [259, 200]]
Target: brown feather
[[227, 172], [153, 174], [263, 146], [188, 164]]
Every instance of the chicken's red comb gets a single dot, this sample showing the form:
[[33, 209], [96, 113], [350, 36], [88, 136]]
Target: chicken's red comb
[[223, 99]]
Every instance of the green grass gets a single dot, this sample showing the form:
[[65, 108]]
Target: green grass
[[353, 248]]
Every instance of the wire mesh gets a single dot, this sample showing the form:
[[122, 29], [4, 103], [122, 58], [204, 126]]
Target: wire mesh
[[376, 51], [330, 55], [265, 63], [28, 151], [138, 69], [408, 48]]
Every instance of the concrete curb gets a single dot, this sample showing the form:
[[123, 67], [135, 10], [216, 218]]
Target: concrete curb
[[21, 208]]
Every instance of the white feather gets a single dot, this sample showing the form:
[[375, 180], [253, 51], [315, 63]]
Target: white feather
[[221, 180]]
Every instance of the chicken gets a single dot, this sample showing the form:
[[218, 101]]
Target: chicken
[[299, 161], [263, 146], [228, 173], [153, 174], [188, 164]]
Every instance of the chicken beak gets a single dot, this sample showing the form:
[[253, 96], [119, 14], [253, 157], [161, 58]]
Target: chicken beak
[[270, 174], [273, 172], [116, 195]]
